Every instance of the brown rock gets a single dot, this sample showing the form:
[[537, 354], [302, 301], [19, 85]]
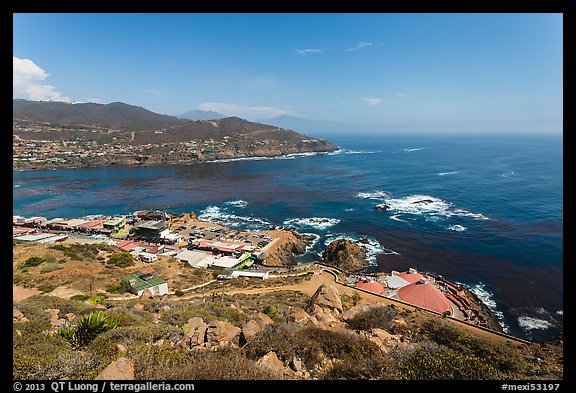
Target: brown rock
[[54, 320], [346, 255], [121, 369], [196, 331], [159, 343], [70, 316], [256, 322], [299, 316], [271, 362], [222, 333], [359, 308], [138, 307], [326, 296], [147, 294], [17, 316], [387, 338]]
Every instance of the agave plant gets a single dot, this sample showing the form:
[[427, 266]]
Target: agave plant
[[89, 326]]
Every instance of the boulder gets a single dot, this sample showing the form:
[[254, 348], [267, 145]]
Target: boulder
[[121, 369], [54, 320], [346, 255], [326, 296], [147, 294], [159, 343], [387, 338], [256, 322], [271, 362], [359, 308], [138, 307], [70, 316], [17, 316], [299, 316], [196, 334], [222, 333]]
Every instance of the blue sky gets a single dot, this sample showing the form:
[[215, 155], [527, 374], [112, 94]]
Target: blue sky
[[373, 72]]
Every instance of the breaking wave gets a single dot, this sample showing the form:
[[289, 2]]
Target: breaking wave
[[239, 203], [429, 206], [378, 194], [311, 246], [529, 323], [411, 150], [371, 245], [216, 214], [457, 228], [447, 173], [487, 298], [319, 223]]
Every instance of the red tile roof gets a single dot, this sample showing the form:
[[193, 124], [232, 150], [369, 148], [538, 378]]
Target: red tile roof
[[127, 245], [410, 277], [424, 295], [374, 286]]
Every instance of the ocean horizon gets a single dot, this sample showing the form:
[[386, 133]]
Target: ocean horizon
[[484, 211]]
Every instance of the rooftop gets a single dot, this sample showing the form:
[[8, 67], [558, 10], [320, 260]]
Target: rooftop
[[140, 281]]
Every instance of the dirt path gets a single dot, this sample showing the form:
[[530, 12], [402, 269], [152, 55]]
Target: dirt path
[[20, 293]]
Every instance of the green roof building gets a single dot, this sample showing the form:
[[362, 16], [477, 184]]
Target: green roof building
[[138, 282]]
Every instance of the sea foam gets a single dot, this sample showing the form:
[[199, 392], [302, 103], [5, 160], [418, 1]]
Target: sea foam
[[319, 223], [378, 194], [487, 298], [528, 323], [371, 245], [429, 206], [216, 214]]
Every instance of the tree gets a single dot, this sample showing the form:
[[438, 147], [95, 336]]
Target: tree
[[122, 259]]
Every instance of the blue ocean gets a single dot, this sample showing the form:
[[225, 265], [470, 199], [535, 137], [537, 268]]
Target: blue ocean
[[485, 211]]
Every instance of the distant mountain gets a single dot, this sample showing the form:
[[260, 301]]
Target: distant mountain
[[121, 133], [198, 114], [116, 115]]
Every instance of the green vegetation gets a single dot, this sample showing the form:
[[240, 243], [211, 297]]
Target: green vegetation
[[80, 297], [86, 330], [271, 311], [115, 288], [50, 268], [82, 252], [375, 317], [33, 262], [122, 259]]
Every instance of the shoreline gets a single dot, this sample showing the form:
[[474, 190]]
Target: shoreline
[[186, 162]]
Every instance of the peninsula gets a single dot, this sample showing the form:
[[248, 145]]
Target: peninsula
[[58, 134]]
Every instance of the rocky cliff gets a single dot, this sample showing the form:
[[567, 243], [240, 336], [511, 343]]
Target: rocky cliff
[[345, 255]]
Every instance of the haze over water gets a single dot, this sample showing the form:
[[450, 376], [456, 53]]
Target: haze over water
[[483, 211]]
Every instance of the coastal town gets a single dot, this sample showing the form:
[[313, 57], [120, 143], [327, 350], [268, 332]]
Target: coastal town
[[151, 237]]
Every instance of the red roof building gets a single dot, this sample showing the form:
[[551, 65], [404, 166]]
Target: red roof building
[[411, 276], [127, 245], [425, 295], [372, 286]]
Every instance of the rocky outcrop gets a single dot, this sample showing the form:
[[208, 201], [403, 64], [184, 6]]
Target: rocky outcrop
[[345, 255], [255, 324], [147, 294], [55, 321], [196, 334], [325, 297], [18, 317], [299, 316], [222, 333], [121, 369], [288, 244], [271, 362]]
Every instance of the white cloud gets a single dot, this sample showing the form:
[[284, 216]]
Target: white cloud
[[243, 111], [360, 45], [94, 100], [153, 91], [305, 51], [372, 101], [403, 95], [27, 83]]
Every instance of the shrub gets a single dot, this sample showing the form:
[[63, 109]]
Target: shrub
[[270, 311], [46, 287], [446, 364], [33, 261], [122, 259], [503, 358], [97, 299], [224, 364], [50, 268], [375, 317], [88, 327], [80, 297], [179, 292]]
